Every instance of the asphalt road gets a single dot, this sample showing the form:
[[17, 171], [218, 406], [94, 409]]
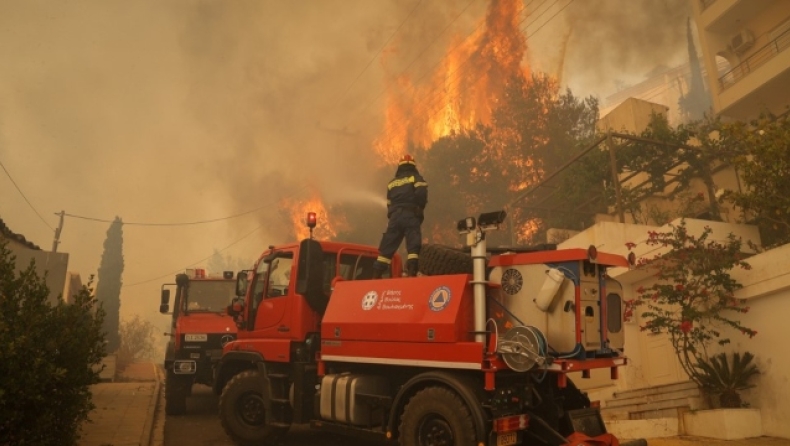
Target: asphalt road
[[201, 427]]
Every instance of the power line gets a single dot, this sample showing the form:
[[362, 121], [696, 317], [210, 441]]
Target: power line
[[375, 56], [23, 196], [195, 262], [375, 99], [189, 223], [430, 101]]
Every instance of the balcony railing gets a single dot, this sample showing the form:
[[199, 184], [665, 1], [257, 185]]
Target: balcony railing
[[706, 3], [758, 58]]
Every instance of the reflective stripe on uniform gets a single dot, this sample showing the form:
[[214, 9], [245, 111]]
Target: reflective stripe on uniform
[[412, 256], [384, 260], [400, 182], [420, 184]]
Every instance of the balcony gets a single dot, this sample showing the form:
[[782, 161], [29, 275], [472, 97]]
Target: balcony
[[754, 61]]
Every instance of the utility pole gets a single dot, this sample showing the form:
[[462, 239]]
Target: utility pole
[[56, 242]]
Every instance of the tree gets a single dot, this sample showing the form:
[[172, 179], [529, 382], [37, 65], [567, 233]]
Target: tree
[[218, 263], [48, 358], [137, 339], [760, 151], [693, 297], [108, 287]]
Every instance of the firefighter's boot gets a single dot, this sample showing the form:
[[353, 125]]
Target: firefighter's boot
[[412, 266], [377, 273]]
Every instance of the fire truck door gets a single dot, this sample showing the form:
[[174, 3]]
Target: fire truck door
[[272, 311]]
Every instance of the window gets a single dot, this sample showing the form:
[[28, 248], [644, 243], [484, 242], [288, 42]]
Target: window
[[279, 276]]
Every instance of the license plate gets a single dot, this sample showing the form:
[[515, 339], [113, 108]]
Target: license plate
[[507, 439], [196, 337]]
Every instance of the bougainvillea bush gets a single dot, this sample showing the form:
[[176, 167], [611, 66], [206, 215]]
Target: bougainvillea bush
[[693, 296]]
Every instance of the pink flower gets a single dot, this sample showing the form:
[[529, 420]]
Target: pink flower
[[686, 326], [679, 287]]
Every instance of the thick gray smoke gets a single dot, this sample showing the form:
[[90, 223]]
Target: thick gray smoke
[[178, 111], [613, 42]]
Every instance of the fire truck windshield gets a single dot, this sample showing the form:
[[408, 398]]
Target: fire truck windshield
[[210, 295]]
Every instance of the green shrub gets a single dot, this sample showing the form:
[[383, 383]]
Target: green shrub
[[47, 358], [720, 377]]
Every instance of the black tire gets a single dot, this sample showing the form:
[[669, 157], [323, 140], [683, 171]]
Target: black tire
[[436, 416], [242, 411], [177, 387], [439, 259]]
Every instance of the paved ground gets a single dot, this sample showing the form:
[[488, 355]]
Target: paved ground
[[124, 412], [698, 441], [130, 412]]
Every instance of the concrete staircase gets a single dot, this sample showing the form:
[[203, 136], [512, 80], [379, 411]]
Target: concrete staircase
[[664, 401]]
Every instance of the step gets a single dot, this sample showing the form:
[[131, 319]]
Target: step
[[651, 409], [664, 388], [651, 398]]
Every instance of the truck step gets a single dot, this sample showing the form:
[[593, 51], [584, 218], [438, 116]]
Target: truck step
[[282, 401], [279, 424], [277, 376]]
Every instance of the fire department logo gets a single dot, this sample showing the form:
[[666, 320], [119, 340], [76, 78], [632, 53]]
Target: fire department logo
[[369, 300], [439, 299]]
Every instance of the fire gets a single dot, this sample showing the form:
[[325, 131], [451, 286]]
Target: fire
[[328, 224], [464, 89]]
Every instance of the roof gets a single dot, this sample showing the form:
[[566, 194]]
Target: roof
[[5, 232]]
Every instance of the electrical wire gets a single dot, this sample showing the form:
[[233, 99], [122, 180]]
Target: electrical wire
[[375, 56], [197, 262], [438, 94], [8, 174], [189, 223], [402, 72]]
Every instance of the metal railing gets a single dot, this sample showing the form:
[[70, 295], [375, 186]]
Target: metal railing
[[757, 59]]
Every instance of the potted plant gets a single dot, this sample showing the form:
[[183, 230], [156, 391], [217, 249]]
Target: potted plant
[[719, 376]]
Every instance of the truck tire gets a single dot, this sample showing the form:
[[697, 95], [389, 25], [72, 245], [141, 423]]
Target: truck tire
[[176, 390], [242, 411], [439, 259], [434, 416]]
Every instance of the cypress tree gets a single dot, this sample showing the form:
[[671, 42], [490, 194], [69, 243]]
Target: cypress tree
[[108, 286]]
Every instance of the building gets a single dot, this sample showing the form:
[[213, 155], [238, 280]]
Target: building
[[749, 40], [53, 264]]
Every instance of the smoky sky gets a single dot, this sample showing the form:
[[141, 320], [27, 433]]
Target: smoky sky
[[188, 110]]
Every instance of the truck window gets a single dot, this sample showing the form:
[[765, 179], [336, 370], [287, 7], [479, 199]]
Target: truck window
[[210, 295], [279, 277]]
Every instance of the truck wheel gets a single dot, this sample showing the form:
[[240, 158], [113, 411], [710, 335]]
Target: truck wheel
[[176, 390], [436, 416], [243, 413], [439, 259]]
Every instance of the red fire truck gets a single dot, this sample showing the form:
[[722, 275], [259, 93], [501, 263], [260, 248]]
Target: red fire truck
[[200, 327], [451, 359]]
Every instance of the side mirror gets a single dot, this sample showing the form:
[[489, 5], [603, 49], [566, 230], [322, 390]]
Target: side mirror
[[241, 284], [235, 308], [164, 305]]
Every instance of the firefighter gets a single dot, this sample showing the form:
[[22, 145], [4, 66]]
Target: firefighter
[[407, 195]]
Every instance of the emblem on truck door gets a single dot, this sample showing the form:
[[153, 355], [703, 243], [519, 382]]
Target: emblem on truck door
[[439, 299], [369, 300]]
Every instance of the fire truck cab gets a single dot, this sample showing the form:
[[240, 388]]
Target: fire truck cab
[[453, 359], [199, 328]]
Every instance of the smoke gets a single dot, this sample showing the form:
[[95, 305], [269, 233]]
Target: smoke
[[197, 109], [613, 42]]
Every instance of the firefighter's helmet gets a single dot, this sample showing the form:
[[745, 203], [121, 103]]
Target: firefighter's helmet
[[406, 159]]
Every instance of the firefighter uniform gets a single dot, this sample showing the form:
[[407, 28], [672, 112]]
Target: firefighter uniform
[[407, 195]]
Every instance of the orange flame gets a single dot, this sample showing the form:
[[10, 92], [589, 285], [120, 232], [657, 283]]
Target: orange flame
[[328, 224], [465, 88]]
